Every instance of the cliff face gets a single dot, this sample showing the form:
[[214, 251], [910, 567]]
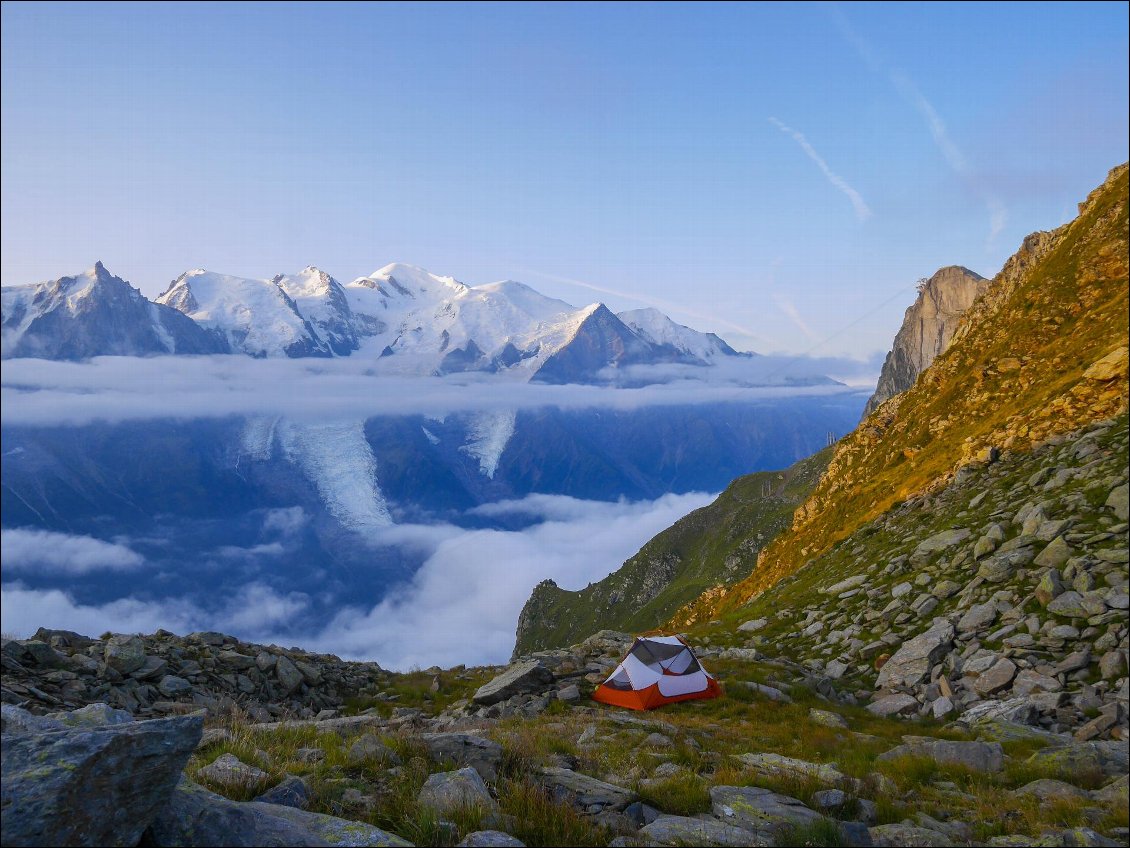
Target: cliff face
[[927, 329]]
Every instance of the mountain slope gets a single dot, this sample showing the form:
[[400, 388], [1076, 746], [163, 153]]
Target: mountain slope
[[1044, 351], [95, 314], [718, 543], [927, 328]]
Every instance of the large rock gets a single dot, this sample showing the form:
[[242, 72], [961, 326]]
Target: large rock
[[450, 791], [465, 749], [196, 817], [978, 756], [942, 541], [229, 771], [527, 676], [587, 793], [1119, 501], [288, 675], [775, 765], [99, 785], [124, 653], [911, 663], [765, 813], [681, 830], [897, 704], [490, 839], [904, 835]]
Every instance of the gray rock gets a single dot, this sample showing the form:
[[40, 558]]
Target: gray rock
[[569, 694], [171, 686], [292, 791], [1117, 501], [911, 663], [195, 817], [904, 835], [16, 720], [835, 589], [233, 659], [1051, 790], [978, 756], [977, 617], [152, 669], [1002, 566], [773, 694], [490, 839], [465, 749], [829, 799], [449, 791], [942, 541], [1054, 555], [996, 677], [755, 625], [92, 715], [897, 704], [93, 785], [527, 676], [776, 765], [124, 653], [288, 675], [827, 718], [942, 707], [370, 749], [1112, 664], [759, 810], [229, 771], [584, 791], [682, 830], [1049, 587], [1069, 605]]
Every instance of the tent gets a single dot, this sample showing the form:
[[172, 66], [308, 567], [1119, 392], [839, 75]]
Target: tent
[[658, 670]]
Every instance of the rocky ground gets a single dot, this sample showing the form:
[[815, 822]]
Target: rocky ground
[[521, 755]]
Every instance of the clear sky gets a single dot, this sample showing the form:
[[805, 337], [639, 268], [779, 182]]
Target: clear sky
[[772, 172]]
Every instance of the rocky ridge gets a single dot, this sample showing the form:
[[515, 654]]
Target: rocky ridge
[[927, 329]]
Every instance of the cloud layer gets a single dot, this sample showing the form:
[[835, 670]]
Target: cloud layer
[[460, 607], [114, 389]]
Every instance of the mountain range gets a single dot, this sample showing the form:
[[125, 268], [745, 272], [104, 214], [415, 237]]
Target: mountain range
[[409, 321]]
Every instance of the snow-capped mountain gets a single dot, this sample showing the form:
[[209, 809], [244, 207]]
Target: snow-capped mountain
[[95, 314], [406, 319]]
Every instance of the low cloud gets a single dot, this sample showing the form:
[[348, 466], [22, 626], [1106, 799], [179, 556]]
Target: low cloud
[[460, 607], [47, 552], [463, 604], [37, 392], [285, 521]]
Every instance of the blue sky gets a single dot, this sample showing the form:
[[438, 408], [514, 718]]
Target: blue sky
[[781, 174]]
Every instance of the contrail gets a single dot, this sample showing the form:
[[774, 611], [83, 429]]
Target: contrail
[[862, 210]]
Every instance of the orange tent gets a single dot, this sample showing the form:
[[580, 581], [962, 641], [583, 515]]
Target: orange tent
[[658, 670]]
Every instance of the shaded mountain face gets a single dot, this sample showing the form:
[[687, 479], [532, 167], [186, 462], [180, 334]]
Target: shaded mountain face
[[96, 314], [927, 328]]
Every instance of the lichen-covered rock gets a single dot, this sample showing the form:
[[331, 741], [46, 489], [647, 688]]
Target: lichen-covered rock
[[450, 791], [911, 663], [195, 817], [98, 785], [490, 839], [682, 830], [584, 791], [527, 676], [228, 770], [978, 756], [124, 653], [465, 749], [766, 813]]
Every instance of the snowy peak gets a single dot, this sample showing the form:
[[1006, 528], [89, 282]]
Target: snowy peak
[[657, 328], [94, 314]]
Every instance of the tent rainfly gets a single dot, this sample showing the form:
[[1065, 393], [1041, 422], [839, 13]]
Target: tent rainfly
[[658, 670]]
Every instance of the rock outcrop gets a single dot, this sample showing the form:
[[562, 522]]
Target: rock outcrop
[[86, 783], [927, 328]]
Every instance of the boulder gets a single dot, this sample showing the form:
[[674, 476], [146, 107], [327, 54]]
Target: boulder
[[1068, 605], [775, 765], [977, 617], [942, 541], [1050, 587], [585, 792], [465, 749], [827, 718], [897, 704], [490, 839], [124, 653], [978, 756], [911, 663], [370, 748], [291, 791], [288, 675], [1054, 555], [229, 771], [1119, 501], [767, 814], [682, 830], [195, 817], [528, 676], [1052, 790], [449, 791], [906, 835], [996, 677], [92, 715], [171, 686], [99, 785]]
